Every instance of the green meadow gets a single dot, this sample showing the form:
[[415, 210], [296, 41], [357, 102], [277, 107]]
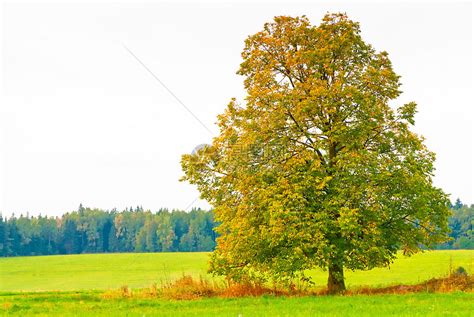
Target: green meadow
[[91, 304], [97, 271], [72, 285], [136, 270]]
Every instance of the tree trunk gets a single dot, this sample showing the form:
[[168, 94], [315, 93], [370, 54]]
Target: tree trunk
[[336, 283]]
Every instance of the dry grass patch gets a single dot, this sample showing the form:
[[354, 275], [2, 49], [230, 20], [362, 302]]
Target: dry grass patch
[[454, 282], [189, 288]]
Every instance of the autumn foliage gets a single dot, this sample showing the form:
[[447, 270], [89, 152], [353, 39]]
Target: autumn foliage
[[316, 168]]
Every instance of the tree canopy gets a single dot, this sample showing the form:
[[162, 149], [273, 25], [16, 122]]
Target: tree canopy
[[316, 168]]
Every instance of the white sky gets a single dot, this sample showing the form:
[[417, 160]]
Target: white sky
[[82, 121]]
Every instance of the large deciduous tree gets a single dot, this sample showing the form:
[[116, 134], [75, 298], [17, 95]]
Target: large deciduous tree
[[316, 168]]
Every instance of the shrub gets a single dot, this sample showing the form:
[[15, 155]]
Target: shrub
[[460, 271], [188, 288]]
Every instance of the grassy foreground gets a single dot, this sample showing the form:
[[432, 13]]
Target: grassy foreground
[[137, 270], [76, 285], [92, 304]]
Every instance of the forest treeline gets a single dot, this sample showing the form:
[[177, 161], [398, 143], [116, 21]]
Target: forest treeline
[[461, 224], [89, 230]]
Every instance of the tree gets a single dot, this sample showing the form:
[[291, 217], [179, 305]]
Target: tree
[[70, 242], [3, 236], [140, 241], [113, 245], [461, 224], [458, 204], [151, 236], [316, 169], [165, 232]]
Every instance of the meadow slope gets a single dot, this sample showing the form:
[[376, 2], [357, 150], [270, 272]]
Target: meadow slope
[[105, 271]]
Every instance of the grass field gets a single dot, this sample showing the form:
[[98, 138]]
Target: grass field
[[105, 271], [74, 285], [91, 304], [97, 271]]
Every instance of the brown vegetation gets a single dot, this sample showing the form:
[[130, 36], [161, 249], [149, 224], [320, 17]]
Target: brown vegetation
[[454, 282], [188, 288]]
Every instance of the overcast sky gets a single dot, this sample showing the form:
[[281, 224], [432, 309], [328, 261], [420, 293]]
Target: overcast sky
[[82, 121]]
